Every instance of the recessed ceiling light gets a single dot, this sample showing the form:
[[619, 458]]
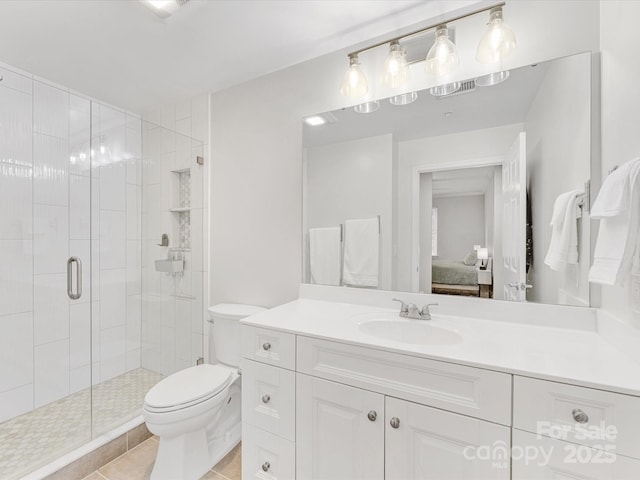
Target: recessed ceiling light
[[404, 98], [164, 8], [315, 120]]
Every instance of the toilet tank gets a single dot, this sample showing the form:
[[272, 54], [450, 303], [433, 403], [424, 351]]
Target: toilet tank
[[224, 334]]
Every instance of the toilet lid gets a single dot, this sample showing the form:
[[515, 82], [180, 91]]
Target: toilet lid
[[188, 386]]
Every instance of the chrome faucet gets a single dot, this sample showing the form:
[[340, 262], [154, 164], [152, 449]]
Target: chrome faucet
[[411, 310]]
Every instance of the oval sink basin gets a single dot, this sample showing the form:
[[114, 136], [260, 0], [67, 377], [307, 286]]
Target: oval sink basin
[[417, 332]]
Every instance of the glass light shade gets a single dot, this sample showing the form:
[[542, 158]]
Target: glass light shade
[[404, 98], [354, 83], [367, 107], [498, 42], [396, 68], [446, 89], [442, 57], [492, 79]]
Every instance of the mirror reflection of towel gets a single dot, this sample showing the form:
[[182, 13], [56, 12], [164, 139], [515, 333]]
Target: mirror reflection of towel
[[563, 248], [324, 255], [361, 252]]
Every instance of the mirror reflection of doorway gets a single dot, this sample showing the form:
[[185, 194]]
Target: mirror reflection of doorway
[[460, 224]]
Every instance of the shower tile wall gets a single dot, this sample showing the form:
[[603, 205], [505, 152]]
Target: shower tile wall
[[45, 183], [174, 308]]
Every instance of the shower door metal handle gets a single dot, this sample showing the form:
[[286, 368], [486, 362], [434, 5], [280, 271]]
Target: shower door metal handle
[[78, 294]]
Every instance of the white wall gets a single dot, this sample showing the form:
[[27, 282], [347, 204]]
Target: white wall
[[558, 127], [439, 151], [256, 136], [461, 225], [351, 180], [620, 70]]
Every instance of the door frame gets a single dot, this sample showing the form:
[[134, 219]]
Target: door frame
[[417, 170]]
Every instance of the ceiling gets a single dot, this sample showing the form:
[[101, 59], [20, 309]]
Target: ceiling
[[430, 116], [120, 52]]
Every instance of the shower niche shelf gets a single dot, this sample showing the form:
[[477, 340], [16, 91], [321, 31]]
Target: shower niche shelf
[[181, 201]]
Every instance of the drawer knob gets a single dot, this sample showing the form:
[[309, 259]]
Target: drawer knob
[[579, 416], [265, 398], [266, 466], [266, 346], [394, 422], [372, 415]]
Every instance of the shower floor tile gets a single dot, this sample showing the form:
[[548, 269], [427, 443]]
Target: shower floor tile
[[36, 438]]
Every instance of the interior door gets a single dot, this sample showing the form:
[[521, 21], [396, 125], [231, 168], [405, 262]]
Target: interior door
[[339, 431], [514, 202]]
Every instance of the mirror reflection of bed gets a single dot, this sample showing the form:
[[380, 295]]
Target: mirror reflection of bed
[[464, 226]]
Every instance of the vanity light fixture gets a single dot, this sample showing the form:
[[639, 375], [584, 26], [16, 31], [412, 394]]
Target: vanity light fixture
[[396, 68], [492, 79], [497, 43], [354, 83], [446, 89], [442, 58], [367, 107], [404, 98]]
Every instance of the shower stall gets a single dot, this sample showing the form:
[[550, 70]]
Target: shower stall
[[93, 201]]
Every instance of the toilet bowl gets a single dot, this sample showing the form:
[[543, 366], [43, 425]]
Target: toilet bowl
[[196, 412]]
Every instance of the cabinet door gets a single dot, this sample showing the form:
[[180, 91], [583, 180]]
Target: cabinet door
[[540, 458], [339, 431], [427, 443]]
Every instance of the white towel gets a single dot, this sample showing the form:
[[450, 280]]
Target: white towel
[[324, 255], [618, 208], [563, 248], [361, 252]]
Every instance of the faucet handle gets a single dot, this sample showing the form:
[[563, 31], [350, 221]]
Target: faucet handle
[[425, 308], [404, 308]]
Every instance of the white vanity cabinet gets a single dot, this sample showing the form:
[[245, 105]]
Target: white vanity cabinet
[[316, 409]]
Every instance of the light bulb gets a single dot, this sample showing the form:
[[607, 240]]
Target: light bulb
[[396, 69], [442, 58], [498, 42], [354, 83]]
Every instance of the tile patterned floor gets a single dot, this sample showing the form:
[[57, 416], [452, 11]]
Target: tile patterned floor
[[35, 438], [137, 464]]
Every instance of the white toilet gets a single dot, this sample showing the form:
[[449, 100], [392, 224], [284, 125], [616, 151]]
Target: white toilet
[[196, 411]]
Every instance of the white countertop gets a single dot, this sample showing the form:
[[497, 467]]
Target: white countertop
[[579, 357]]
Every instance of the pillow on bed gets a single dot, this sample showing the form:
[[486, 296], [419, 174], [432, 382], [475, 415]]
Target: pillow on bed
[[471, 258]]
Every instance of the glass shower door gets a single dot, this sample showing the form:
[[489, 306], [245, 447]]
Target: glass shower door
[[45, 314]]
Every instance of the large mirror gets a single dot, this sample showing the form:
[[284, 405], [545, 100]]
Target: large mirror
[[481, 190]]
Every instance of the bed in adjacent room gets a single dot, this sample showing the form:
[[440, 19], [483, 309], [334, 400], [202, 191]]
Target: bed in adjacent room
[[454, 277]]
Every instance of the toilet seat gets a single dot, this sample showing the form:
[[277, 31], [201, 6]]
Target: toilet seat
[[187, 388]]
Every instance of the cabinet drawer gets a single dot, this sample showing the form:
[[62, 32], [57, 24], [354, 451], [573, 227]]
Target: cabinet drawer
[[471, 391], [268, 398], [548, 408], [269, 346], [266, 456], [536, 458]]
